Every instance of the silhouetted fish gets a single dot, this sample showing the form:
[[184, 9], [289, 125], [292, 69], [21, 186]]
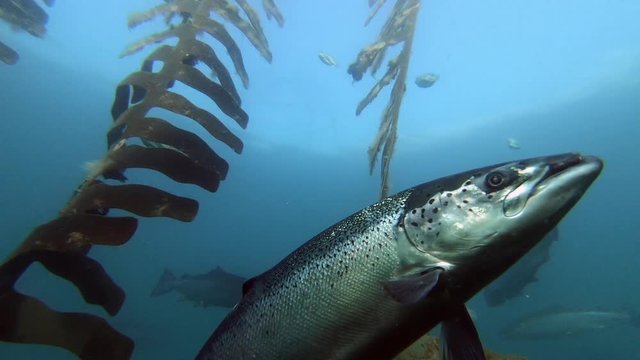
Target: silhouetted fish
[[557, 321], [215, 288], [513, 281]]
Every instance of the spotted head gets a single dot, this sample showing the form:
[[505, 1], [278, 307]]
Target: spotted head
[[490, 217]]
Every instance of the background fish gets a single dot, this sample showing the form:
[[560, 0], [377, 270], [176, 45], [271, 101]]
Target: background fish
[[426, 80], [556, 322], [513, 143], [215, 288], [522, 273], [327, 59]]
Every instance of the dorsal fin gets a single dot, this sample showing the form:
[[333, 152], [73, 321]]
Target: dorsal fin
[[248, 285]]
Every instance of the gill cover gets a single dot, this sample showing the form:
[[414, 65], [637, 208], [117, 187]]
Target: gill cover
[[448, 220]]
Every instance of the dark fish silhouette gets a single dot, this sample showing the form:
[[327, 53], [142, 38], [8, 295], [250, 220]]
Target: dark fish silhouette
[[557, 321], [372, 284], [215, 288], [515, 280]]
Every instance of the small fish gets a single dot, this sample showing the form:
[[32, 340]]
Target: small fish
[[513, 143], [515, 280], [327, 59], [426, 80], [372, 284], [215, 288], [557, 322]]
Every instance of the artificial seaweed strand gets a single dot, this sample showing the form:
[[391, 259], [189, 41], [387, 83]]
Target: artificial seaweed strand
[[272, 10], [26, 15], [255, 36], [254, 20], [374, 11], [391, 73], [399, 28], [8, 55], [62, 245], [151, 39], [136, 19]]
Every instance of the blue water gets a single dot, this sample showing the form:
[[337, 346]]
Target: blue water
[[556, 76]]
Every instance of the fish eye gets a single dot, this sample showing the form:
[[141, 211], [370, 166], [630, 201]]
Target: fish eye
[[495, 180]]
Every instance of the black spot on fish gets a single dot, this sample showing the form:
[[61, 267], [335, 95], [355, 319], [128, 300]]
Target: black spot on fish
[[464, 190], [449, 194], [422, 241], [414, 223], [467, 183], [430, 220], [414, 211], [435, 210], [489, 196], [431, 201], [465, 201]]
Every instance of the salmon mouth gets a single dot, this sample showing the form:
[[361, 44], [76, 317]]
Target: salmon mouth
[[569, 173]]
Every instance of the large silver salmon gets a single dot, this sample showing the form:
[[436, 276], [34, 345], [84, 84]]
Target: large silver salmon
[[369, 286]]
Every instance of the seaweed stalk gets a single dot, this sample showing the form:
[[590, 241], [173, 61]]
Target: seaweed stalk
[[135, 140], [399, 28]]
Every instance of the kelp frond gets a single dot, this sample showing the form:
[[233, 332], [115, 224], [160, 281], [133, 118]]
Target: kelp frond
[[135, 140], [26, 15], [398, 29], [273, 12]]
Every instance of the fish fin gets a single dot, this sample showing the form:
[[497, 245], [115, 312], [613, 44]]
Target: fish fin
[[460, 337], [248, 285], [165, 284], [413, 288]]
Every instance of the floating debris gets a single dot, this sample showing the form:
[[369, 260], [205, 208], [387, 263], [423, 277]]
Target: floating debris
[[327, 59], [426, 80], [513, 143]]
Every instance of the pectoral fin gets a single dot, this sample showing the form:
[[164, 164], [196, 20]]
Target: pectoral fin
[[460, 337], [413, 288]]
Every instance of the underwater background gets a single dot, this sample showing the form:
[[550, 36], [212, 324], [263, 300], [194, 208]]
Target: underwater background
[[556, 76]]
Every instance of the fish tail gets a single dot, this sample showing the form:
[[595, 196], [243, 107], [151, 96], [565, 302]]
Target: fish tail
[[165, 284]]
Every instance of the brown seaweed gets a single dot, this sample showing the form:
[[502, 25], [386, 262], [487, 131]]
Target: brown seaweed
[[399, 29], [8, 55], [135, 140], [272, 11], [26, 15]]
